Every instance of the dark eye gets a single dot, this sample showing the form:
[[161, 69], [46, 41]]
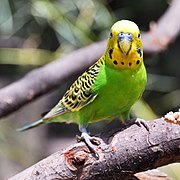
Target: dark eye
[[111, 34], [139, 35]]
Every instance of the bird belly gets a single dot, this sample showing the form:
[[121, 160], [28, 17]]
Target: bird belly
[[112, 106], [117, 95]]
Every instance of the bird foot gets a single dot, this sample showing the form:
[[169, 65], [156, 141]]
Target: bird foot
[[90, 142], [139, 122]]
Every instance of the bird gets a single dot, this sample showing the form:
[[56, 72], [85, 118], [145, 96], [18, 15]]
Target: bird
[[108, 88]]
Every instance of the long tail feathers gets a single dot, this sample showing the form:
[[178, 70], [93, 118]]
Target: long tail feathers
[[29, 126]]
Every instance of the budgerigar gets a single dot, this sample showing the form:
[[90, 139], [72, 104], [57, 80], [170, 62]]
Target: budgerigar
[[109, 88]]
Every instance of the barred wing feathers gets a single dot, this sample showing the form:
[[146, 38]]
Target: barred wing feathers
[[79, 94]]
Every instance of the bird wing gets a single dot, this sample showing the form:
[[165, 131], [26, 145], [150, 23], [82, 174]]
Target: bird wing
[[79, 94]]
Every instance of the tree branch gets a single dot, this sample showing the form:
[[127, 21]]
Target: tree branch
[[44, 79], [163, 32], [122, 154]]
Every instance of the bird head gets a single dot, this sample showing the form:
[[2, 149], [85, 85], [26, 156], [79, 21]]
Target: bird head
[[124, 48]]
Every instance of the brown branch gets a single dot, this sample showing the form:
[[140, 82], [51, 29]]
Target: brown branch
[[163, 32], [42, 80], [122, 154]]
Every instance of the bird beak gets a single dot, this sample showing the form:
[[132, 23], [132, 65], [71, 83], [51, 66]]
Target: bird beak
[[125, 42]]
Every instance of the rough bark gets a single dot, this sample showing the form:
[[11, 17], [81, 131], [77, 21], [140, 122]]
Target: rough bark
[[44, 79], [122, 154], [165, 31]]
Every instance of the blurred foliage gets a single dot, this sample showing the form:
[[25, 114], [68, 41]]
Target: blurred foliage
[[34, 33]]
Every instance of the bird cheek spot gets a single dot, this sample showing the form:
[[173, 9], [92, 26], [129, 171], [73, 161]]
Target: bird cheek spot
[[139, 52]]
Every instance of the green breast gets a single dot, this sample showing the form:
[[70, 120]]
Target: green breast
[[117, 92]]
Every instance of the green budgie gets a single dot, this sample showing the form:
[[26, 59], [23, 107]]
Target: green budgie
[[109, 88]]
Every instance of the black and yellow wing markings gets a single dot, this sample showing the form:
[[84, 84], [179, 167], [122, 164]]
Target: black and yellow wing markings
[[79, 94]]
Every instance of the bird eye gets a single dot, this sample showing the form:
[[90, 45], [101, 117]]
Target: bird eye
[[139, 35], [111, 34]]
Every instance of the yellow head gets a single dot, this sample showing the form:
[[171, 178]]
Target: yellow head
[[124, 48]]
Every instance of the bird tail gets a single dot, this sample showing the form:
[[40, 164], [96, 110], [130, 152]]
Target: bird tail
[[29, 126]]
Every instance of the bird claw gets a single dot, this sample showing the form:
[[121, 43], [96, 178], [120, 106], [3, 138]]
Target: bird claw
[[89, 142], [139, 122]]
